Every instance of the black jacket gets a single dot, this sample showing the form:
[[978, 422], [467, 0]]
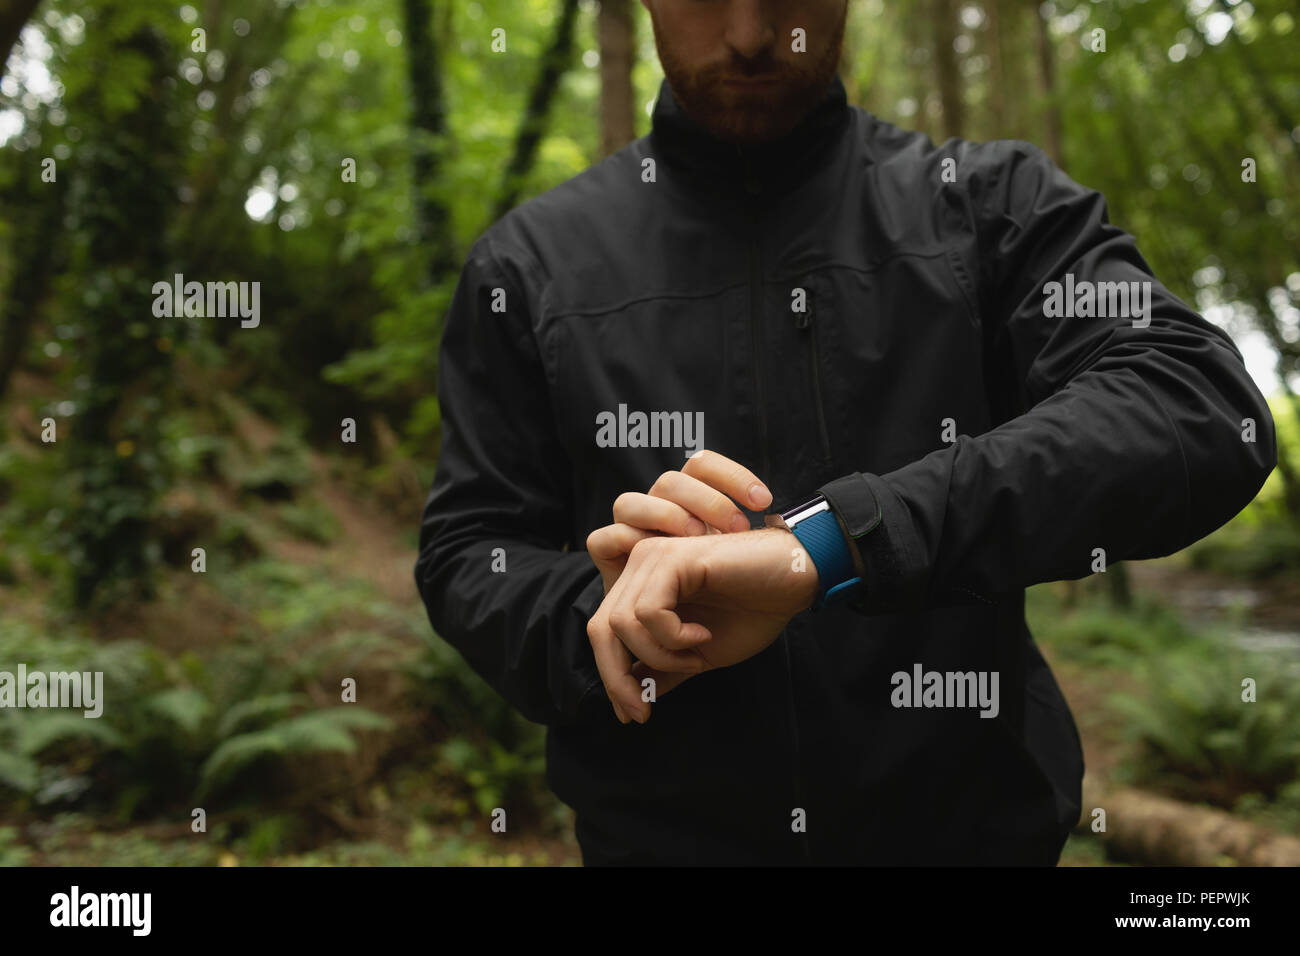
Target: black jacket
[[671, 286]]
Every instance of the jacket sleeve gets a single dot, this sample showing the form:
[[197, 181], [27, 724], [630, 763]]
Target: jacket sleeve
[[1134, 437], [493, 569]]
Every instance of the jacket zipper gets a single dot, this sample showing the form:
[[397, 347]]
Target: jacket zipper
[[755, 318], [806, 322], [804, 845], [753, 188]]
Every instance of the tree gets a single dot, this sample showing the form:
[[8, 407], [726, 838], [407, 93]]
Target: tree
[[533, 124], [617, 55], [944, 21], [429, 132], [39, 208], [122, 196], [1047, 80]]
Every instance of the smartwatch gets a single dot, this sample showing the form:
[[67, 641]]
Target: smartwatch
[[818, 530]]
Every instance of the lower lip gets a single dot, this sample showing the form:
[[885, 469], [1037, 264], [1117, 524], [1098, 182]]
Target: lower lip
[[750, 84]]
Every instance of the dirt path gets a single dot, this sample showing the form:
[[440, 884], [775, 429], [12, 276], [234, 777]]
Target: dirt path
[[371, 544]]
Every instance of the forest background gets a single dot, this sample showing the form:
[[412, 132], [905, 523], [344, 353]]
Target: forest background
[[344, 154]]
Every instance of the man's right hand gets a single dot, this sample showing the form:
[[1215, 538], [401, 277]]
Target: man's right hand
[[699, 499]]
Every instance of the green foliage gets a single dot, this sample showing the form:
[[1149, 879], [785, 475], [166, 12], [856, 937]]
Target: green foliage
[[1255, 552], [497, 777], [1263, 541], [18, 771], [73, 839], [310, 520], [32, 483], [1281, 812], [12, 853], [171, 727], [321, 731], [1189, 730], [1098, 634], [1083, 849], [277, 473], [1197, 736], [162, 149]]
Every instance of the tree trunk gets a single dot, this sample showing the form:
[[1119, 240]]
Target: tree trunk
[[38, 228], [129, 167], [617, 56], [919, 60], [533, 124], [997, 46], [428, 129], [1013, 69], [1047, 79], [944, 21], [1118, 586]]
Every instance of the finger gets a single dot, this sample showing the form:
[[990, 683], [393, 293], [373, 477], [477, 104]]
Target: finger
[[729, 477], [664, 681], [609, 548], [656, 514], [666, 628], [676, 577], [628, 628], [623, 689], [708, 504], [613, 663], [614, 541]]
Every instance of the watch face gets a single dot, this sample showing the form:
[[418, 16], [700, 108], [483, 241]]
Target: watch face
[[805, 511]]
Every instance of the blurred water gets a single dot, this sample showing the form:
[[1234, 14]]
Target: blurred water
[[1230, 608]]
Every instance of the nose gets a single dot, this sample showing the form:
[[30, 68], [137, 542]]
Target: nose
[[749, 28]]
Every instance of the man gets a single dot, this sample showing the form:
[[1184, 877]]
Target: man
[[926, 346]]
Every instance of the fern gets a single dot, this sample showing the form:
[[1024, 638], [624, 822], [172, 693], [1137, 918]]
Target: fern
[[1192, 724], [41, 729], [18, 771], [184, 707], [255, 710], [318, 731]]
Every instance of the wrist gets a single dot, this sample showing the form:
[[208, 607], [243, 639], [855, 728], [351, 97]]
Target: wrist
[[805, 580], [818, 530]]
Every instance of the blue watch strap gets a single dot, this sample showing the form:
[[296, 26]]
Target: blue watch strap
[[822, 538]]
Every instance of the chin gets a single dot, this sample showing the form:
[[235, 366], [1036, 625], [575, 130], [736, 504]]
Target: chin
[[748, 128]]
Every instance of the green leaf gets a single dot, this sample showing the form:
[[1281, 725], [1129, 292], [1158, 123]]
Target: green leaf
[[18, 772], [39, 730], [185, 707]]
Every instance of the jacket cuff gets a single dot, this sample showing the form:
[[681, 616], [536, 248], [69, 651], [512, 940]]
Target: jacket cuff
[[886, 548], [585, 693]]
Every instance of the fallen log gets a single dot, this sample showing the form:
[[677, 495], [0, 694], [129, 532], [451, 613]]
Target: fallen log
[[1159, 831]]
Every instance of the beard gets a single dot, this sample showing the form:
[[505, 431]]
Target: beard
[[750, 115]]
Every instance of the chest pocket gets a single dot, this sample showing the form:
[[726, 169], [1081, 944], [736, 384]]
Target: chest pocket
[[893, 351], [639, 388]]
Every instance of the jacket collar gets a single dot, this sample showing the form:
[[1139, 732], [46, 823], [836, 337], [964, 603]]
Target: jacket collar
[[685, 143]]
